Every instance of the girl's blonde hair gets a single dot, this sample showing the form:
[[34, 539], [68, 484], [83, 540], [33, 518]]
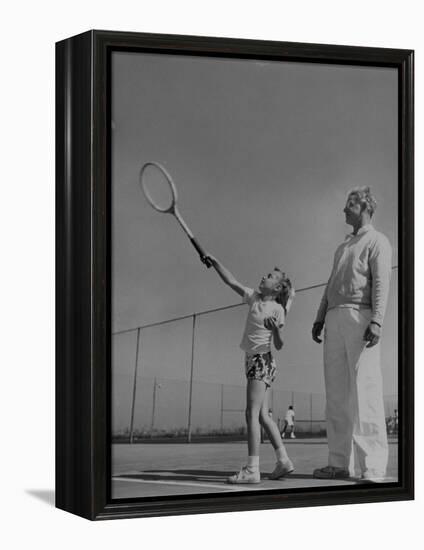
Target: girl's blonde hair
[[286, 290]]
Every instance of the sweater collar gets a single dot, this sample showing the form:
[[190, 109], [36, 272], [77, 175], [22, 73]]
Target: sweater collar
[[362, 230]]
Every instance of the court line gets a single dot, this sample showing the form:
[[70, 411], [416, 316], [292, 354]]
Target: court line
[[182, 483]]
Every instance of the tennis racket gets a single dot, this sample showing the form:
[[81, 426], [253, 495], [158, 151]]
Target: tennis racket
[[161, 193]]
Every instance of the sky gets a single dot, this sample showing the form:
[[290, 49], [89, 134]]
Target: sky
[[263, 155]]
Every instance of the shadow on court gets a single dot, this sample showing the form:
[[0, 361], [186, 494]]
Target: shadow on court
[[201, 475], [172, 469]]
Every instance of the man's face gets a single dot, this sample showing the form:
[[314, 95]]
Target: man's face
[[352, 210]]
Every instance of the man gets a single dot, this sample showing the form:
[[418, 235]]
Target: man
[[352, 310], [289, 423]]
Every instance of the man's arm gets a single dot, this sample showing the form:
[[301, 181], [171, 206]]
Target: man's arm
[[322, 310], [319, 321], [380, 260]]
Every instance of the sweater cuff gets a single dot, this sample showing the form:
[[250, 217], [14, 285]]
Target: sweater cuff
[[377, 318], [319, 321]]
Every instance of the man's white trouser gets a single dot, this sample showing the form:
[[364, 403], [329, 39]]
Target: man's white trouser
[[356, 425]]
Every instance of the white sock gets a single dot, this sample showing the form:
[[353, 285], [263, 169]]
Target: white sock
[[281, 454], [253, 463]]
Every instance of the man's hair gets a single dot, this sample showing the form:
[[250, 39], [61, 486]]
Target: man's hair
[[365, 197], [286, 286]]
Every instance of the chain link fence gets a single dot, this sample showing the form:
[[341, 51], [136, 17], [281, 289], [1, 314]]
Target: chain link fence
[[161, 376], [162, 410]]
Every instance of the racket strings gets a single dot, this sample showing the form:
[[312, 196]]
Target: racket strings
[[157, 187]]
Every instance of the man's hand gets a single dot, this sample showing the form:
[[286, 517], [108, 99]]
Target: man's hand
[[372, 335], [316, 332]]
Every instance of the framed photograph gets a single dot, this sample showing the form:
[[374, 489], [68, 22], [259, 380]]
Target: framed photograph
[[234, 275]]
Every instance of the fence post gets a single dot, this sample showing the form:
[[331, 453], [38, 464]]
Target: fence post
[[190, 397], [134, 387], [310, 409], [222, 408], [152, 424]]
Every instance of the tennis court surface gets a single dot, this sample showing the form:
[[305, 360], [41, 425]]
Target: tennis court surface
[[149, 469]]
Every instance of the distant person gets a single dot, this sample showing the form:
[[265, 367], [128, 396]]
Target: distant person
[[390, 425], [352, 310], [396, 420], [268, 307], [289, 423]]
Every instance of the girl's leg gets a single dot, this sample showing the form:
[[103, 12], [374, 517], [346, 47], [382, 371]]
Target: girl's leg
[[268, 423], [284, 465], [255, 395], [272, 430]]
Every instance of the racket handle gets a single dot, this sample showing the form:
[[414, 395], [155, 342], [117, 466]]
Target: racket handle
[[201, 252]]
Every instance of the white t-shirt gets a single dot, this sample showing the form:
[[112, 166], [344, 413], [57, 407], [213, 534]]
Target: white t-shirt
[[290, 416], [257, 338]]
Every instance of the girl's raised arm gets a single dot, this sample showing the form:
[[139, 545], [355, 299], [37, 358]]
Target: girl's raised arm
[[226, 275]]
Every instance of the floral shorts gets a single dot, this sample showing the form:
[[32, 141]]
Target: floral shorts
[[261, 366]]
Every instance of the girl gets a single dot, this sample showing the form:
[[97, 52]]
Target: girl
[[268, 307]]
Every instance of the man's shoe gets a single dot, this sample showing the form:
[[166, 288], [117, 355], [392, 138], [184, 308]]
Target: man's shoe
[[292, 436], [331, 472], [282, 469], [373, 477], [245, 476]]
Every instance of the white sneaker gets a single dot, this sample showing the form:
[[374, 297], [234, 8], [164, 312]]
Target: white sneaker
[[245, 476], [283, 436], [292, 436], [282, 469]]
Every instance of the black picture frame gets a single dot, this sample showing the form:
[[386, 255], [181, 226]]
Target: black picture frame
[[83, 276]]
